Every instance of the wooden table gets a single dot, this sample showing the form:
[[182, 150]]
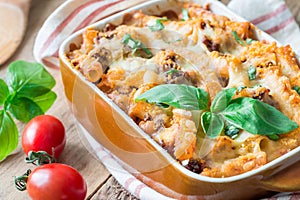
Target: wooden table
[[101, 185]]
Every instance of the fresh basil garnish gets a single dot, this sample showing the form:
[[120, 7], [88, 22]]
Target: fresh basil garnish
[[212, 124], [28, 94], [249, 41], [297, 89], [135, 45], [222, 100], [172, 71], [245, 113], [158, 25], [257, 117], [176, 95], [185, 14], [231, 131], [205, 120], [252, 72], [273, 137], [240, 88], [237, 38]]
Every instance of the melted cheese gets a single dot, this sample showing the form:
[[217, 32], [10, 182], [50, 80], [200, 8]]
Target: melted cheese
[[205, 54]]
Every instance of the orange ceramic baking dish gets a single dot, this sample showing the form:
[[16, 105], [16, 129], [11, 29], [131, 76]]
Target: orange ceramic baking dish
[[141, 155]]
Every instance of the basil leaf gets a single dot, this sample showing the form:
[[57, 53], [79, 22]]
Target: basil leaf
[[45, 101], [158, 25], [212, 124], [8, 135], [4, 92], [222, 100], [176, 95], [252, 72], [29, 79], [237, 38], [257, 117], [240, 88], [231, 131], [129, 41], [172, 71], [273, 137], [205, 121], [135, 45], [24, 109], [297, 88], [185, 14], [249, 40]]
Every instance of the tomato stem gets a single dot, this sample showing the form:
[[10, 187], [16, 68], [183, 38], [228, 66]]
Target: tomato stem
[[21, 181], [39, 158]]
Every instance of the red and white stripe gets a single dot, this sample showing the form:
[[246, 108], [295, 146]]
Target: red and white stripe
[[270, 14], [275, 20]]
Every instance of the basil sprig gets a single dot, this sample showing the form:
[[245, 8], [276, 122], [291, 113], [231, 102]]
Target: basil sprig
[[218, 105], [28, 94], [158, 25], [135, 45], [246, 113]]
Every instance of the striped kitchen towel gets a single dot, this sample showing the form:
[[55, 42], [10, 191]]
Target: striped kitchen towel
[[273, 16]]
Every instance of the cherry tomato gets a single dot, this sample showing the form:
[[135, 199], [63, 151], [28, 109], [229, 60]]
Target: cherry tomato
[[44, 133], [56, 182]]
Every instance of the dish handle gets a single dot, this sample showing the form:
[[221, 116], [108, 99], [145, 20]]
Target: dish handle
[[287, 180]]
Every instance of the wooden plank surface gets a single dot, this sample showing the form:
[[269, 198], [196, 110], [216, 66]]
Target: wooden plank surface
[[101, 185], [75, 153]]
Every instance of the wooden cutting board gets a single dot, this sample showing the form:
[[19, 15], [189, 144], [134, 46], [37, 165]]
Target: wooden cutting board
[[13, 22]]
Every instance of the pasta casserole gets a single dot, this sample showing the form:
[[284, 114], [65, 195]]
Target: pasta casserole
[[220, 101]]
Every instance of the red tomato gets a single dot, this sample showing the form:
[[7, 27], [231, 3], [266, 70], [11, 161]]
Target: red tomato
[[56, 182], [44, 133]]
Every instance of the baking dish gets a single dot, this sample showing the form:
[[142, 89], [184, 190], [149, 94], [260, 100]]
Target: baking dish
[[111, 127]]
